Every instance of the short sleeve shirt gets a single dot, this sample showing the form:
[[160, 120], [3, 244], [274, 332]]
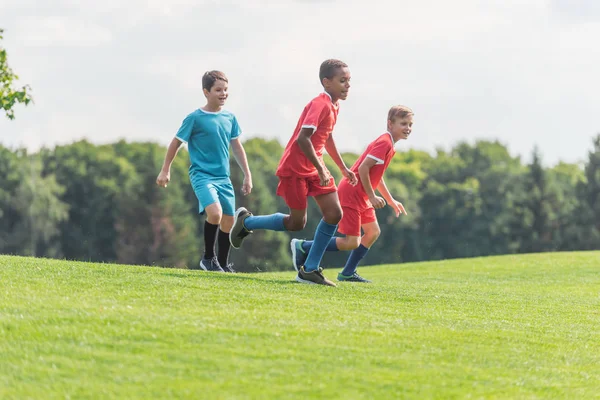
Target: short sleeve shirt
[[320, 115], [208, 135], [382, 151]]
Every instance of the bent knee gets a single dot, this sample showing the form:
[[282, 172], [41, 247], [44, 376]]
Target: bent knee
[[333, 216], [214, 213], [353, 242], [294, 225]]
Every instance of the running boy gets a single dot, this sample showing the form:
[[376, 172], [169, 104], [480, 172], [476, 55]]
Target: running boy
[[302, 173], [208, 131], [359, 202]]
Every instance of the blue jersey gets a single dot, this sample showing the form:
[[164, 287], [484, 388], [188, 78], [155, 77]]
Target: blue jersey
[[208, 135]]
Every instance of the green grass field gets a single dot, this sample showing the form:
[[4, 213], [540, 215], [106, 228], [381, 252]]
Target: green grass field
[[503, 327]]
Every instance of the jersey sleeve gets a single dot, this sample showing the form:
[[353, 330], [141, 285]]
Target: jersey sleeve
[[380, 151], [185, 130], [316, 113], [235, 129]]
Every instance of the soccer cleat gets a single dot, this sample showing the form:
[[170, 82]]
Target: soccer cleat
[[239, 231], [313, 277], [352, 278], [228, 268], [299, 256], [211, 265]]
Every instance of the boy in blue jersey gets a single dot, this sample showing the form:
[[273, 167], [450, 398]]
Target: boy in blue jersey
[[208, 132]]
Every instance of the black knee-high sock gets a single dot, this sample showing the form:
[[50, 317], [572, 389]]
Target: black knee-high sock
[[224, 245], [210, 235]]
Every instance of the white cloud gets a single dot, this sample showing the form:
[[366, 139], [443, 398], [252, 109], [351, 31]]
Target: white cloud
[[61, 31]]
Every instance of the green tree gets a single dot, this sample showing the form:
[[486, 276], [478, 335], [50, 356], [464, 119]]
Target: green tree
[[540, 203], [9, 95], [588, 191], [30, 208], [156, 226], [568, 178], [94, 178]]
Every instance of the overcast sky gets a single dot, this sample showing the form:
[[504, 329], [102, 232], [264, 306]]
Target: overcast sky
[[522, 71]]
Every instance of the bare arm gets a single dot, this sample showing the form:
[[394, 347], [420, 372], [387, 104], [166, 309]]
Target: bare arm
[[308, 149], [396, 205], [337, 158], [165, 173], [382, 188], [240, 157], [334, 153], [365, 179]]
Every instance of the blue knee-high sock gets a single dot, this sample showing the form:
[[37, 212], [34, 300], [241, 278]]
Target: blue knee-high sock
[[273, 222], [332, 246], [322, 238], [353, 259]]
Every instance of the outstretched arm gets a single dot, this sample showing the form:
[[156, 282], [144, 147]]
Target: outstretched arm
[[165, 173], [240, 157]]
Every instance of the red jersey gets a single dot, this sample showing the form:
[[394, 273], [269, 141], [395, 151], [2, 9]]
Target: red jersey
[[320, 115], [382, 151]]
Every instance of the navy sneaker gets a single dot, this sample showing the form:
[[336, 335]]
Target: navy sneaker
[[352, 278], [228, 268], [299, 256], [239, 231], [211, 265]]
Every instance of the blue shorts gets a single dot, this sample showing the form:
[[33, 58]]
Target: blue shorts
[[209, 192]]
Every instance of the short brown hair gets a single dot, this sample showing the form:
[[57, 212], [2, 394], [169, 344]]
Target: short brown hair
[[329, 68], [210, 77], [399, 112]]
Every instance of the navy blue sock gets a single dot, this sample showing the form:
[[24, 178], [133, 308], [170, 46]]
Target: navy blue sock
[[355, 256], [322, 238], [332, 246], [273, 222]]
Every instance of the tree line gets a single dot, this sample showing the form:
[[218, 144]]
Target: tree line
[[100, 203]]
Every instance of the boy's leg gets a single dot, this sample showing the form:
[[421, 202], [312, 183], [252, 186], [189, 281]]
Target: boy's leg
[[294, 192], [227, 201], [349, 226], [371, 234], [208, 202], [224, 244], [332, 214], [211, 226]]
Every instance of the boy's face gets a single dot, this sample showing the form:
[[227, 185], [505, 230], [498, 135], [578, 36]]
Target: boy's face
[[218, 93], [401, 128], [339, 85]]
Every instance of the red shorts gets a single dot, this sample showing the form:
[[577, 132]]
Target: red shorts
[[353, 219], [295, 190]]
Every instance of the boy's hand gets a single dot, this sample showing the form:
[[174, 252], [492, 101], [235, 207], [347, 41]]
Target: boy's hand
[[163, 178], [377, 202], [247, 186], [351, 176], [398, 208], [324, 176]]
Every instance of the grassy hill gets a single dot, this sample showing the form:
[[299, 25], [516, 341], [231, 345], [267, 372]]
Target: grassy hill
[[503, 327]]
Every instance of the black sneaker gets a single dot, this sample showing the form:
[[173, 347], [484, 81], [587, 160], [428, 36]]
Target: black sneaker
[[211, 265], [239, 231], [313, 277], [352, 278], [228, 268]]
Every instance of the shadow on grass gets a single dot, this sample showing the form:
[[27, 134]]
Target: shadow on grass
[[229, 277]]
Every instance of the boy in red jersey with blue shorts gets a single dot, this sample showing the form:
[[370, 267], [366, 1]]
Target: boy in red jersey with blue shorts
[[360, 201], [302, 173]]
